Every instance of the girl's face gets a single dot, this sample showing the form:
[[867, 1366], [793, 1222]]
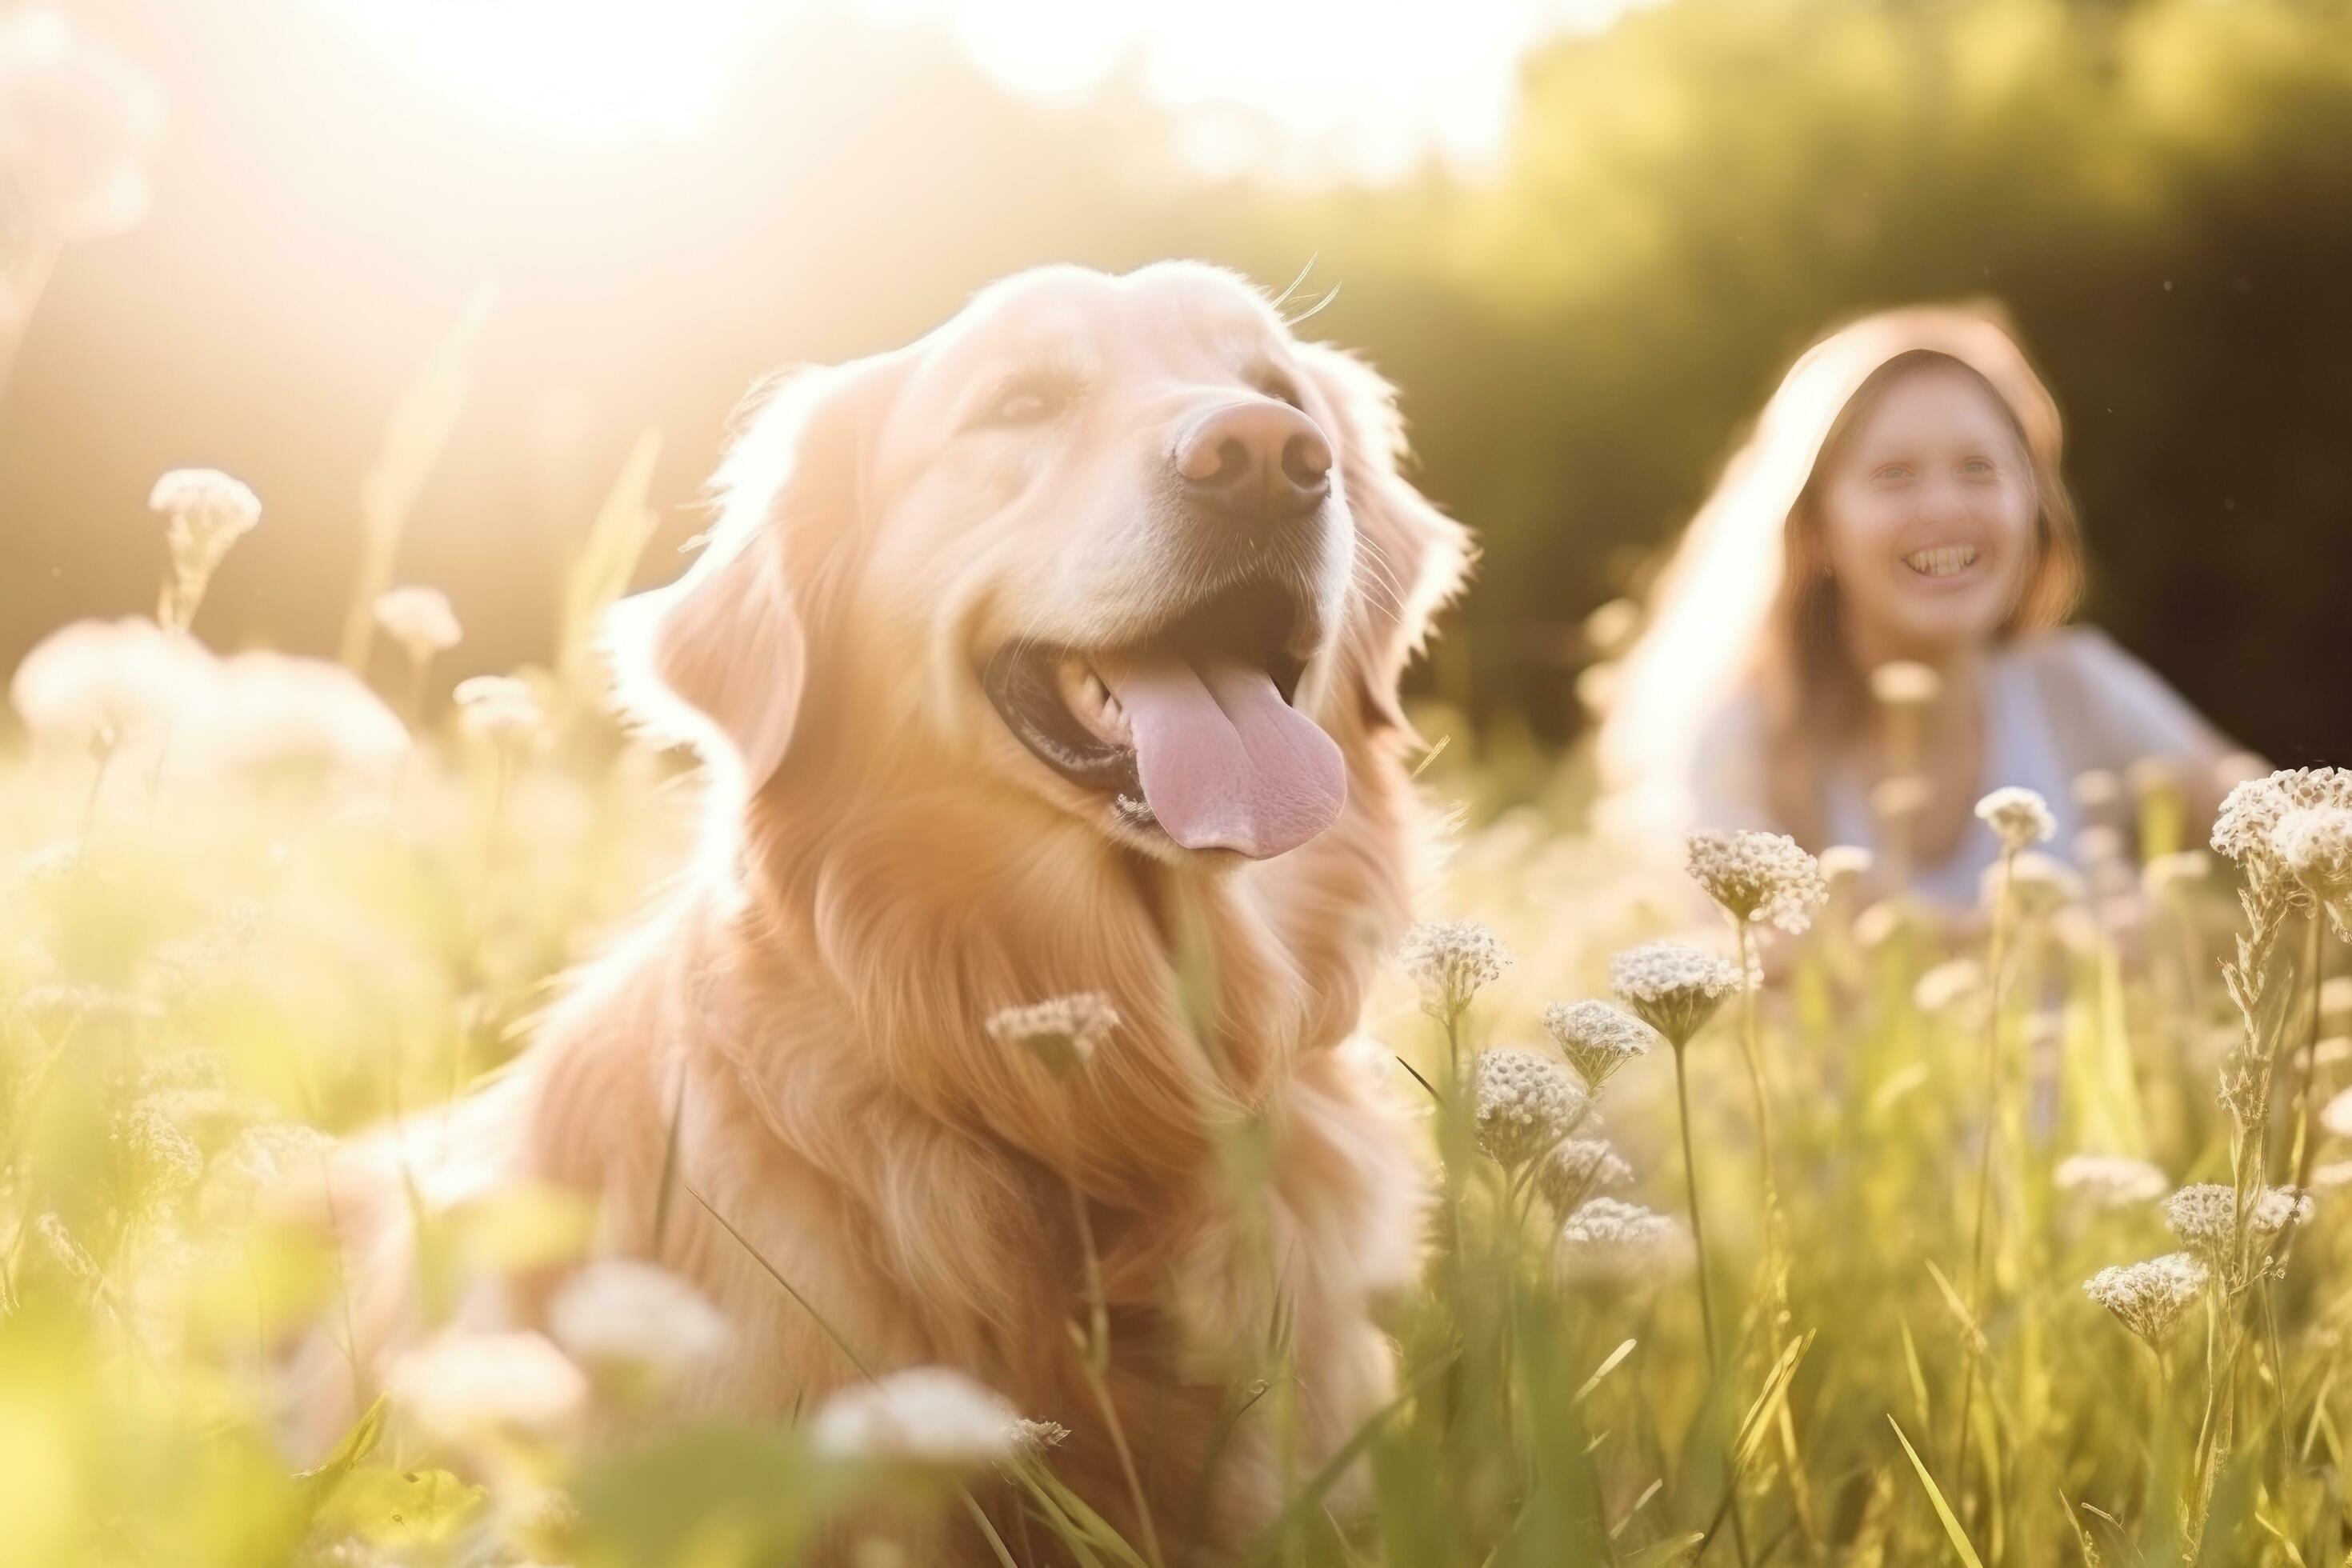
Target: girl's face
[[1928, 511]]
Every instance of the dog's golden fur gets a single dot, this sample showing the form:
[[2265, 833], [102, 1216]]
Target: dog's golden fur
[[888, 870]]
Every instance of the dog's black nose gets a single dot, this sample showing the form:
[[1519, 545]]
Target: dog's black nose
[[1259, 461]]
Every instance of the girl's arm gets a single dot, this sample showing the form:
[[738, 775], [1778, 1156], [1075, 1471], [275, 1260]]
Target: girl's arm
[[2135, 713]]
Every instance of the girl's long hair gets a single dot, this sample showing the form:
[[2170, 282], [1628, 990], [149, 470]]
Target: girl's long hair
[[1744, 608]]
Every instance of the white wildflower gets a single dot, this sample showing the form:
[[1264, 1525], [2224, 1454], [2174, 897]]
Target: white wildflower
[[1525, 1104], [625, 1312], [158, 1161], [2110, 1181], [2098, 845], [419, 620], [1596, 1038], [2336, 1115], [2077, 931], [1905, 683], [1062, 1033], [1948, 985], [95, 686], [184, 1068], [930, 1418], [184, 966], [2204, 1214], [2039, 884], [1844, 863], [2315, 845], [2331, 1177], [499, 709], [2336, 995], [281, 711], [2181, 869], [1030, 1438], [2253, 810], [1609, 1242], [2279, 1207], [2096, 788], [1450, 960], [50, 864], [2018, 817], [1672, 987], [276, 1153], [77, 122], [2150, 1297], [460, 1384], [208, 511], [1759, 877], [1577, 1170], [1879, 924]]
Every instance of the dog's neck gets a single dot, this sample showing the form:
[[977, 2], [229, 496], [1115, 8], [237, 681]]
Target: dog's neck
[[914, 914]]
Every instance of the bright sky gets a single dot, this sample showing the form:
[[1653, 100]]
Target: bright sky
[[1309, 88]]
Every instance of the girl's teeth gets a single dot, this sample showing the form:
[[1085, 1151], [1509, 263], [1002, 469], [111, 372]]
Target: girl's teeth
[[1943, 560]]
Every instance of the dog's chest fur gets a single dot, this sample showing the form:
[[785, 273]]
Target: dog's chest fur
[[862, 1171]]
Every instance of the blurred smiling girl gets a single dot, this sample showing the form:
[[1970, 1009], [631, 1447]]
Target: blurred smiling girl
[[1862, 631]]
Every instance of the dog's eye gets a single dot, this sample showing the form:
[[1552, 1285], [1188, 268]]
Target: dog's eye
[[1030, 398]]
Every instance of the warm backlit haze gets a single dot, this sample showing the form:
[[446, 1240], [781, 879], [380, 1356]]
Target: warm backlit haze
[[1317, 90], [1583, 236], [1975, 1191]]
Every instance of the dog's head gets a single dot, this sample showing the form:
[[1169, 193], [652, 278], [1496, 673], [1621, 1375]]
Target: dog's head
[[1124, 542]]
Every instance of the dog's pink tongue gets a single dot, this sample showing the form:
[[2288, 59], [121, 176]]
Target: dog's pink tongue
[[1226, 764]]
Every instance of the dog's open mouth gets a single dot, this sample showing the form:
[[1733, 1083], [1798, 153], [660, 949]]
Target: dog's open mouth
[[1190, 728]]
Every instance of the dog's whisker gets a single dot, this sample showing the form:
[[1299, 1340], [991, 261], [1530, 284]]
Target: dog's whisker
[[1383, 570], [1277, 303], [1315, 309]]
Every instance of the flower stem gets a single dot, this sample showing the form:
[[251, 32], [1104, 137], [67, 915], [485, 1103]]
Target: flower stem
[[1775, 1252], [1752, 1048], [1698, 1226], [2001, 915], [1094, 1355], [2246, 1094], [1098, 1309], [2306, 1142], [90, 803], [1705, 1290]]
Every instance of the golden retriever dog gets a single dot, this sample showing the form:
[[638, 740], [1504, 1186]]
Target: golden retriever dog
[[1055, 653]]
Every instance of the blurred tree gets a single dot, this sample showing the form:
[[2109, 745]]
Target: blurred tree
[[2160, 190]]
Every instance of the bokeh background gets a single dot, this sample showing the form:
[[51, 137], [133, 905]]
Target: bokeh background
[[541, 249]]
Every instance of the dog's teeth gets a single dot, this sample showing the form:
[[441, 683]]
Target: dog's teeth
[[1090, 700]]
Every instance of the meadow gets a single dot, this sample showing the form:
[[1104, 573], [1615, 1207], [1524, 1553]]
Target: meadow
[[1838, 1232]]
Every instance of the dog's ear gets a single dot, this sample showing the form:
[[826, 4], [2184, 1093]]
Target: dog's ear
[[1411, 558], [719, 658]]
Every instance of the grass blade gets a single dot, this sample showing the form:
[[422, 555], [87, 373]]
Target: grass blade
[[1604, 1369], [1961, 1547]]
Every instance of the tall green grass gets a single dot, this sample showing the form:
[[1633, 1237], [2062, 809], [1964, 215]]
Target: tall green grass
[[196, 961]]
